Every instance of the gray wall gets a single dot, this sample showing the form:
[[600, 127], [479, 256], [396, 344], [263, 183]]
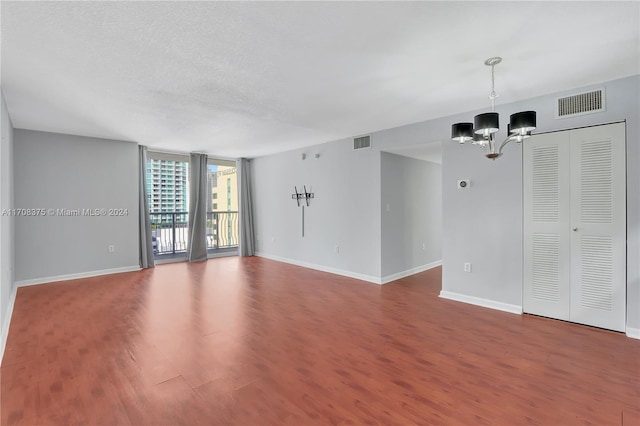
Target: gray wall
[[6, 221], [345, 211], [72, 172], [411, 213], [483, 224]]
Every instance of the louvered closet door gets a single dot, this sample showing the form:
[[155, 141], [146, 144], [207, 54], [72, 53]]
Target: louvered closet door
[[575, 226], [547, 225], [598, 219]]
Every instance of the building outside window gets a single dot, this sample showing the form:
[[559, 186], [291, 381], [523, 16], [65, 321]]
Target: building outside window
[[168, 198]]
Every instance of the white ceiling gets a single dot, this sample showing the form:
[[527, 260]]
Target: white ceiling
[[253, 78]]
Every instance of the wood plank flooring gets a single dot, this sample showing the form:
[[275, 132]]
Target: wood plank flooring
[[249, 341]]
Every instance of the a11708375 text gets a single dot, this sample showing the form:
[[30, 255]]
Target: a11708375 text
[[58, 212]]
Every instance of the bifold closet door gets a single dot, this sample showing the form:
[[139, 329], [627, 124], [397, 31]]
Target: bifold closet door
[[547, 222], [598, 220], [575, 226]]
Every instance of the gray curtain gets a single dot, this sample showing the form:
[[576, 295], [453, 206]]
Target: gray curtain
[[197, 244], [146, 245], [245, 210]]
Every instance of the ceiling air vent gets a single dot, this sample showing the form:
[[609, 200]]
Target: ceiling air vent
[[581, 103], [362, 142]]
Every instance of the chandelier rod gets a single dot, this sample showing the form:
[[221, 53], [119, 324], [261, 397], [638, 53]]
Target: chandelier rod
[[492, 62]]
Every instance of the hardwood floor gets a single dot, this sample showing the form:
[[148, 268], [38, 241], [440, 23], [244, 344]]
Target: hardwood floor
[[250, 341]]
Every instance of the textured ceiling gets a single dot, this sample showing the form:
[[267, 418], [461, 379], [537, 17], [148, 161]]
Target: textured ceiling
[[252, 78]]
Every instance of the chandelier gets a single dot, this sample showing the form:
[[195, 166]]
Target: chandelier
[[485, 126]]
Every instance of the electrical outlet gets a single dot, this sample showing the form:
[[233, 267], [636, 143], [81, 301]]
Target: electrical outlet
[[424, 246], [467, 267], [337, 249], [112, 249]]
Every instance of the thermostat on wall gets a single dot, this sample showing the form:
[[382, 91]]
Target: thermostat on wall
[[464, 183]]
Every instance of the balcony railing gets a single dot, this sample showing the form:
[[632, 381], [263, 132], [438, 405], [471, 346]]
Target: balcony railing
[[170, 232]]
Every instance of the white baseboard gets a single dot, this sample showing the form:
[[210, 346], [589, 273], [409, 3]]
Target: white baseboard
[[6, 321], [88, 274], [322, 268], [634, 333], [410, 272], [363, 277], [487, 303]]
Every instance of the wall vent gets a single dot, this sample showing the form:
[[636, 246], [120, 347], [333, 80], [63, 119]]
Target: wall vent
[[581, 103], [362, 142]]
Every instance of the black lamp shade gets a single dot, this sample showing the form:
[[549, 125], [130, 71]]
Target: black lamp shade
[[486, 123], [522, 122], [462, 132]]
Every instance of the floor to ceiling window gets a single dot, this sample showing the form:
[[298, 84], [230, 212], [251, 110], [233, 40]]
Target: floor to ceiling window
[[222, 207], [168, 197]]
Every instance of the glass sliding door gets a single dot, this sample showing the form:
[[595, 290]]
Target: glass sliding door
[[168, 197], [222, 208]]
